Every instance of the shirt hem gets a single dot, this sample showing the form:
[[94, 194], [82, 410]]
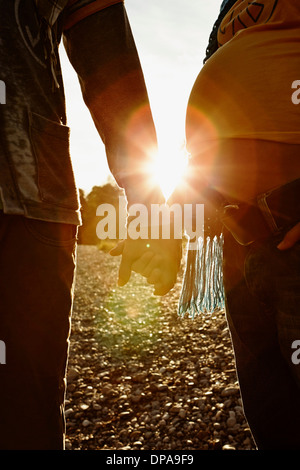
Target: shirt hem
[[53, 214]]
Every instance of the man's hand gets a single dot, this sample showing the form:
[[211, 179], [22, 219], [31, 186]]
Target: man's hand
[[290, 238], [157, 260]]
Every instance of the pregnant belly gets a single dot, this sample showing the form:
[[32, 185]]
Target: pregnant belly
[[241, 123]]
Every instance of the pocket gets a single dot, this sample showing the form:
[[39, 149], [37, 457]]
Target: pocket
[[50, 144], [52, 233]]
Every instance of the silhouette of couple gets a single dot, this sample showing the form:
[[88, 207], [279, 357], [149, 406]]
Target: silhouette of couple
[[242, 132]]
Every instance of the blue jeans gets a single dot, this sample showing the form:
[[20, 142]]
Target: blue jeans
[[262, 286], [37, 261]]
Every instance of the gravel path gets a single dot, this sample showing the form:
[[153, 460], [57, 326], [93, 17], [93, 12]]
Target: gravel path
[[140, 378]]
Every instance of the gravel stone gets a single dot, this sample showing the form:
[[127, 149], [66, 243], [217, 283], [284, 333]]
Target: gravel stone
[[141, 378]]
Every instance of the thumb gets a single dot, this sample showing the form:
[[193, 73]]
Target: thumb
[[291, 237]]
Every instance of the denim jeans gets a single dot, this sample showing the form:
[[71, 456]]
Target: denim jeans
[[262, 286], [37, 261]]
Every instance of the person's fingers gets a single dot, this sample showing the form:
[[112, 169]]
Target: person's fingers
[[140, 264], [161, 288], [162, 281], [133, 250], [155, 263], [124, 269], [118, 249], [124, 272], [155, 276], [129, 255], [290, 238]]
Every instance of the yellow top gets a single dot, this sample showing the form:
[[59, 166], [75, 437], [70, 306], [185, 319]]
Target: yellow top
[[245, 89]]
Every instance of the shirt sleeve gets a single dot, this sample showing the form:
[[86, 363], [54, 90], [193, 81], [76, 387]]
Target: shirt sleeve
[[102, 50], [77, 10]]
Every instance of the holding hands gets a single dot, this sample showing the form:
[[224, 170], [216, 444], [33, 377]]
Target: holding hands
[[157, 260]]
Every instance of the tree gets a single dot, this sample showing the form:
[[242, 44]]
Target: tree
[[106, 194]]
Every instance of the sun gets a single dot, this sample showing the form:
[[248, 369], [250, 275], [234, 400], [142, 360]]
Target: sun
[[168, 168]]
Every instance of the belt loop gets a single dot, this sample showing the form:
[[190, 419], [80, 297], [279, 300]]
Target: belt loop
[[266, 212]]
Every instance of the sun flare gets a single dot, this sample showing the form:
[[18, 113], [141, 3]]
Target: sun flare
[[168, 168]]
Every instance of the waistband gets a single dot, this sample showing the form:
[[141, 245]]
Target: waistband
[[270, 213]]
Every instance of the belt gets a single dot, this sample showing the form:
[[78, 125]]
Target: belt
[[270, 213]]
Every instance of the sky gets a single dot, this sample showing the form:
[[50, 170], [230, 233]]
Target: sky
[[171, 37]]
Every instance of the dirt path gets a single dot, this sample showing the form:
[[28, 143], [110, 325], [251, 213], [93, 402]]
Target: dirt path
[[141, 378]]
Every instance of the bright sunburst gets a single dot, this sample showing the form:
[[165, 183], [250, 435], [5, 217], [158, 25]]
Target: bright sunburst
[[168, 169]]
